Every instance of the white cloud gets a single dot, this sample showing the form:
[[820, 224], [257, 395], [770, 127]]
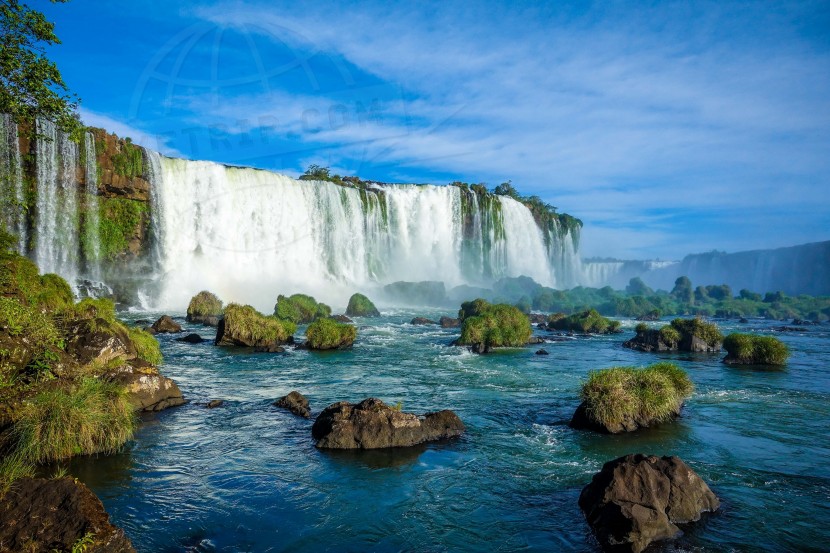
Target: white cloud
[[123, 130]]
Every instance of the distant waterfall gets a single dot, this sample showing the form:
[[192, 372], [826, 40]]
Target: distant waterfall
[[11, 171], [92, 222], [248, 235]]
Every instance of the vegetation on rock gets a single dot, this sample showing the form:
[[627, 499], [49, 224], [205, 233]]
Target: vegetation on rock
[[619, 396], [492, 326], [697, 328], [121, 221], [242, 324], [750, 349], [300, 309], [204, 304], [327, 333], [361, 306], [589, 321]]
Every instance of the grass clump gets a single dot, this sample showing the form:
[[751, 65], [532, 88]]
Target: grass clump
[[329, 334], [697, 327], [204, 304], [748, 349], [146, 346], [300, 309], [589, 321], [617, 396], [93, 416], [246, 324], [498, 325], [670, 335], [472, 308], [29, 341], [361, 306]]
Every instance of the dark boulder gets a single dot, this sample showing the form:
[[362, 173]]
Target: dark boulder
[[270, 348], [371, 424], [191, 339], [480, 348], [637, 499], [650, 316], [449, 322], [537, 318], [341, 319], [743, 320], [214, 403], [296, 403], [422, 321], [542, 352], [99, 341], [166, 325], [37, 514], [535, 341]]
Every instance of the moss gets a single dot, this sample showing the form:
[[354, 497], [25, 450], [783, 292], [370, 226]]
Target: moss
[[749, 349], [19, 278], [120, 220], [708, 332], [246, 323], [146, 346], [91, 416], [361, 306], [653, 394], [204, 304], [129, 162], [497, 325], [300, 309], [329, 334], [589, 321]]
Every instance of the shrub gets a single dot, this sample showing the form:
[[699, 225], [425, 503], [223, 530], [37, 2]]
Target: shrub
[[94, 416], [653, 394], [670, 335], [587, 321], [708, 332], [120, 220], [472, 308], [498, 325], [246, 323], [300, 309], [42, 341], [329, 334], [361, 306], [640, 328], [204, 304], [146, 346], [748, 349], [19, 278]]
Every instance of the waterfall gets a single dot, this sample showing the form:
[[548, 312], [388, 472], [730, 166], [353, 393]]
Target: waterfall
[[91, 237], [249, 235], [11, 170]]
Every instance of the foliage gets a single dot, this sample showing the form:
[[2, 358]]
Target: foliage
[[670, 335], [30, 84], [129, 162], [205, 304], [589, 321], [41, 340], [697, 327], [92, 416], [654, 393], [636, 287], [249, 324], [327, 333], [19, 278], [120, 220], [300, 309], [749, 349], [361, 306], [146, 346], [316, 172], [83, 543], [472, 308], [498, 325]]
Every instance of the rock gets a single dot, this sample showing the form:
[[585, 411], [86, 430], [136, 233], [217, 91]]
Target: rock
[[535, 340], [37, 514], [638, 499], [270, 348], [537, 318], [371, 424], [296, 403], [191, 339], [147, 389], [214, 403], [743, 320], [542, 352], [788, 329], [142, 322], [449, 322], [341, 319], [97, 340], [650, 316], [480, 348], [422, 321], [166, 325]]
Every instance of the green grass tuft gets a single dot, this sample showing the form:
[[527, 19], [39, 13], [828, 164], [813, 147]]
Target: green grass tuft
[[652, 394], [300, 309], [246, 323], [498, 325], [95, 416], [748, 349], [329, 334], [205, 304], [146, 346]]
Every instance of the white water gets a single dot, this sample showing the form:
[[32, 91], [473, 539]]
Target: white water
[[249, 235], [91, 213]]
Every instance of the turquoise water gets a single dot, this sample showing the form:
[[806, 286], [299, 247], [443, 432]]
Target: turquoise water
[[246, 476]]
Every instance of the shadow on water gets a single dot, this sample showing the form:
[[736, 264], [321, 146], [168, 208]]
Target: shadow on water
[[662, 439], [375, 459]]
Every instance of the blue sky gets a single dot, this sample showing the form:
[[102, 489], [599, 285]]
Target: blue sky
[[667, 127]]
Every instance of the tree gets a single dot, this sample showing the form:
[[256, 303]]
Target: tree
[[30, 84], [682, 290], [316, 172], [506, 189], [636, 287]]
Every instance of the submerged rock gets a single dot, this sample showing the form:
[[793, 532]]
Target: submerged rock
[[341, 319], [214, 403], [191, 339], [296, 403], [542, 352], [637, 499], [148, 390], [449, 322], [422, 321], [535, 341], [270, 348], [371, 424], [166, 325], [37, 514]]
